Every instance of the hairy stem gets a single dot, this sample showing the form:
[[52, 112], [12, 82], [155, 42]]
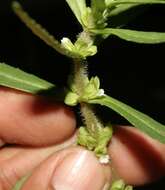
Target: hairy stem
[[92, 122], [80, 76]]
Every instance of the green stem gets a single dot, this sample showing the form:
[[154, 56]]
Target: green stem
[[80, 76], [92, 122]]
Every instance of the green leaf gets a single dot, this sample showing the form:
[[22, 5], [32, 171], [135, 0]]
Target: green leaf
[[82, 12], [78, 7], [99, 13], [121, 8], [15, 78], [39, 31], [123, 14], [133, 35], [136, 118], [110, 3], [98, 5], [21, 182]]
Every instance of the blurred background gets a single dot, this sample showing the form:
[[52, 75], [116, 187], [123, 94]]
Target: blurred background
[[132, 73]]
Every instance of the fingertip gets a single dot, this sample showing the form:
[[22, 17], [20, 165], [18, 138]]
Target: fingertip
[[76, 171], [70, 169]]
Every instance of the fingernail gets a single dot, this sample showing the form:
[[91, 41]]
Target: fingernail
[[78, 172]]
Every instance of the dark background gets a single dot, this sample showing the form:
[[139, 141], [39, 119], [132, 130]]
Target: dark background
[[132, 73]]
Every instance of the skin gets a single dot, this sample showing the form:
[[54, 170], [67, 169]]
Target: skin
[[39, 129]]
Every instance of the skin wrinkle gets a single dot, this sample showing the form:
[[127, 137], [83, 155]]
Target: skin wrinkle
[[148, 157], [1, 142], [9, 151]]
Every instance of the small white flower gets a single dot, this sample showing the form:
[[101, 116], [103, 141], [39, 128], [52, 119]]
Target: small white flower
[[105, 159], [101, 93]]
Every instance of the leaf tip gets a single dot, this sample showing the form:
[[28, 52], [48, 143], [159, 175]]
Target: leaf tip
[[15, 5]]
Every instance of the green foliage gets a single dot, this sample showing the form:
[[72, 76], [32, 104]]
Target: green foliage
[[78, 7], [82, 12], [80, 48], [99, 12], [91, 91], [97, 143], [39, 31], [133, 35], [121, 8], [136, 118], [120, 185], [18, 79], [121, 15], [111, 3]]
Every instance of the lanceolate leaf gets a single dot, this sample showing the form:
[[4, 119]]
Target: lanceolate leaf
[[111, 3], [121, 8], [78, 7], [121, 15], [136, 118], [15, 78], [133, 35]]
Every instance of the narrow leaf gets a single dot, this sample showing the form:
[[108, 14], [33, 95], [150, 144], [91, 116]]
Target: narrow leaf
[[123, 14], [136, 118], [15, 78], [78, 7], [121, 8], [111, 3], [39, 31], [133, 35]]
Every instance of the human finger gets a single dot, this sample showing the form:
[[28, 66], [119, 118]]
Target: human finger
[[71, 169], [33, 120], [136, 157], [16, 161]]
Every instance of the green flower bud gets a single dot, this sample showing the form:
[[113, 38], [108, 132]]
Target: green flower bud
[[128, 187], [71, 99], [104, 136], [85, 139], [67, 44], [80, 48], [92, 90], [118, 185]]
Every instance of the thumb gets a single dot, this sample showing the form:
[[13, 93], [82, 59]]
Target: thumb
[[71, 169]]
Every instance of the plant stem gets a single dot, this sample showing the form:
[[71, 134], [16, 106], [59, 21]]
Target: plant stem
[[80, 76], [92, 123]]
